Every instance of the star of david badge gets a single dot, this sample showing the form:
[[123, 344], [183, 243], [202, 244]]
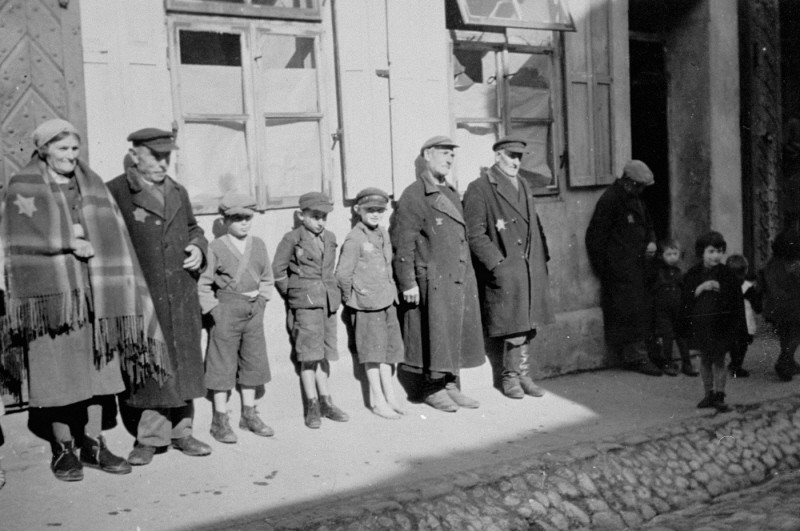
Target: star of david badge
[[140, 214], [501, 224], [439, 221], [25, 205], [630, 219]]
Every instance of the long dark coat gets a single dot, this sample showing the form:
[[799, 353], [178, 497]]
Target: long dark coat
[[507, 241], [160, 239], [616, 241], [429, 238]]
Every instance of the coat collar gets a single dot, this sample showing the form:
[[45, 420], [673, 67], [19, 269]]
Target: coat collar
[[143, 197], [440, 201], [503, 187]]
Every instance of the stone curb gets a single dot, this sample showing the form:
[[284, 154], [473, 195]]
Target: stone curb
[[615, 483]]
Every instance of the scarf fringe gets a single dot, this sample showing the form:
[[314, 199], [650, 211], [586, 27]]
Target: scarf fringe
[[141, 357], [33, 317]]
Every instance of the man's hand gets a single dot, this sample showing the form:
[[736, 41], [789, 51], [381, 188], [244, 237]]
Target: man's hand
[[708, 285], [651, 249], [195, 258], [82, 249], [411, 296]]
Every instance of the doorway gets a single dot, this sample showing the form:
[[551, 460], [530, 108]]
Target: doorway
[[649, 124]]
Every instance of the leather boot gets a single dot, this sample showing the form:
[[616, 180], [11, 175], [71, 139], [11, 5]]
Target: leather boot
[[252, 422], [65, 464], [459, 398], [708, 401], [719, 402], [329, 411], [313, 419], [221, 428], [511, 370], [95, 454], [530, 388]]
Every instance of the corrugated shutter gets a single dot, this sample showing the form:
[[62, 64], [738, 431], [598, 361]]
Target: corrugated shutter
[[363, 65]]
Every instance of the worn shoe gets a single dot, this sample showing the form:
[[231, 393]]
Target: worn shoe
[[65, 464], [460, 398], [708, 402], [191, 446], [719, 402], [511, 386], [530, 388], [221, 428], [313, 419], [645, 366], [250, 421], [688, 369], [670, 369], [142, 454], [329, 411], [441, 400], [95, 454]]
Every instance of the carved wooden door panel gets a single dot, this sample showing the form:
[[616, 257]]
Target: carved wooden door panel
[[41, 77]]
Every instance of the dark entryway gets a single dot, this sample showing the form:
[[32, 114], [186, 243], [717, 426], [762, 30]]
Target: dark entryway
[[649, 124]]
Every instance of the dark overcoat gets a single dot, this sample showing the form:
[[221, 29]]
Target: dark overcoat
[[304, 273], [510, 252], [160, 235], [616, 240], [429, 239]]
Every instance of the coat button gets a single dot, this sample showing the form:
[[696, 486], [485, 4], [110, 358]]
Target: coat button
[[519, 242]]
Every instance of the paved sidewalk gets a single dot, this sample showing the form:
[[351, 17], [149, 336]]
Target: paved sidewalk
[[271, 480]]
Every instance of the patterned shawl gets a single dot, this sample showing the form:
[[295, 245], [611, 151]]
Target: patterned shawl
[[45, 287]]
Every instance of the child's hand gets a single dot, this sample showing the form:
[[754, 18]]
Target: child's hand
[[708, 285], [82, 248]]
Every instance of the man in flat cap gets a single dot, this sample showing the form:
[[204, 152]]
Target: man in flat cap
[[619, 238], [507, 241], [171, 249], [440, 313]]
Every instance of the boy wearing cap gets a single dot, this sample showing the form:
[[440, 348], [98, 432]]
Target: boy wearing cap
[[304, 275], [510, 251], [234, 289], [365, 278]]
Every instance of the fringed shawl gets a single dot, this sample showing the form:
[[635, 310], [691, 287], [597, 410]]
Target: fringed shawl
[[45, 289]]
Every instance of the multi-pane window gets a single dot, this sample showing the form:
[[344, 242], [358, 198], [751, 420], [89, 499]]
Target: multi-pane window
[[285, 9], [501, 90], [247, 95]]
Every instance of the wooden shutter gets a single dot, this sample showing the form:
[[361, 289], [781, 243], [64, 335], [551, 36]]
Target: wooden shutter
[[363, 65], [590, 94], [419, 67]]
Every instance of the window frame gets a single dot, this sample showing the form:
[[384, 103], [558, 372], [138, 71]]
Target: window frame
[[245, 9], [503, 122], [254, 119], [476, 20]]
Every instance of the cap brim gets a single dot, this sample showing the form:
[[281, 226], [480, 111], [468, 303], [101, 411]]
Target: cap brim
[[320, 208], [162, 148], [520, 150]]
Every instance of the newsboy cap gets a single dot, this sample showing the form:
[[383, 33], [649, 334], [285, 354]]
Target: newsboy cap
[[372, 197], [237, 204], [638, 172], [512, 144], [438, 141], [158, 140], [315, 201]]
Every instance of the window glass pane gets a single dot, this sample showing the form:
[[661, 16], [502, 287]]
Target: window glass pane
[[206, 174], [543, 14], [475, 141], [529, 85], [292, 158], [536, 165], [210, 48], [287, 67], [475, 83], [211, 90]]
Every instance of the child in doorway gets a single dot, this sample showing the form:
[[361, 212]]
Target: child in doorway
[[666, 291], [304, 275], [234, 289], [365, 279], [711, 302], [781, 278], [751, 294]]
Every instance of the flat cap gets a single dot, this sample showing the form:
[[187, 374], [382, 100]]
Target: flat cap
[[512, 144], [237, 203], [315, 201], [372, 197], [638, 172], [438, 141], [158, 140]]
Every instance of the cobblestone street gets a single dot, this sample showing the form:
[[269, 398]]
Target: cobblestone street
[[773, 505]]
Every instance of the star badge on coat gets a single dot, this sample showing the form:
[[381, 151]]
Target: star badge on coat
[[501, 224], [25, 205], [140, 214]]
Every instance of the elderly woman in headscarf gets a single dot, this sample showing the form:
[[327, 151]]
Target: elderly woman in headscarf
[[76, 301]]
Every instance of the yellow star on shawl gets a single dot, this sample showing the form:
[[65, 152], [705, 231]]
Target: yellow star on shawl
[[25, 205], [140, 214], [501, 224]]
